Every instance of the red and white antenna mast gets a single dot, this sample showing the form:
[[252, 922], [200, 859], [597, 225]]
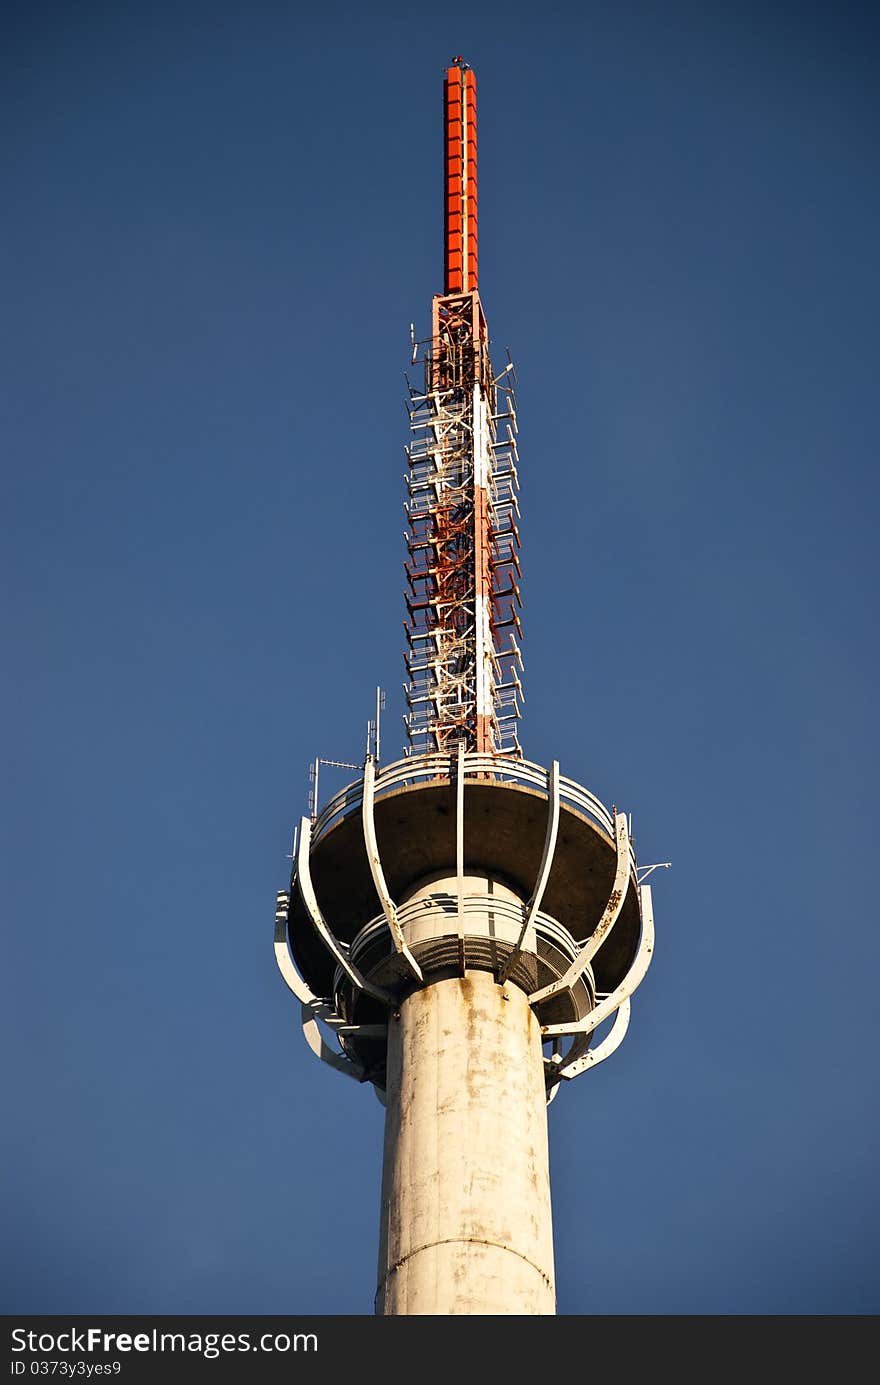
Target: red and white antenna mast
[[462, 568]]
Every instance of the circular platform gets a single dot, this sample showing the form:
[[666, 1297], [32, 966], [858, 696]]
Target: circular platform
[[504, 830]]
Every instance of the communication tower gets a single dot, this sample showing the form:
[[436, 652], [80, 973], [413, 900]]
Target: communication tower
[[461, 922]]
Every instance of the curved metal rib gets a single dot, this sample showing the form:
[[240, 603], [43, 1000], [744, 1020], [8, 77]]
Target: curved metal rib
[[301, 989], [388, 907], [313, 1008], [322, 1009], [603, 927], [309, 899], [580, 1056], [315, 1040], [575, 1063], [534, 904], [613, 1001]]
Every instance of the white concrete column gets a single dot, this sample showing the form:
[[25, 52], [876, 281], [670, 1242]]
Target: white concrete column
[[465, 1222]]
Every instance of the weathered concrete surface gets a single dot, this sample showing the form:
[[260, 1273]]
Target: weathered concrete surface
[[465, 1218]]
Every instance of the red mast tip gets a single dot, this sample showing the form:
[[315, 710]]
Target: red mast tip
[[460, 176]]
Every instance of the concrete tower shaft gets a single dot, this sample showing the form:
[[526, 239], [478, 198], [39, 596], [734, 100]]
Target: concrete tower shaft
[[465, 1223]]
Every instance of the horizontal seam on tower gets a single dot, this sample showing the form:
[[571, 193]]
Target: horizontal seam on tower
[[464, 1240]]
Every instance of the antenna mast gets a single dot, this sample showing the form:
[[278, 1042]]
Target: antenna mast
[[462, 566]]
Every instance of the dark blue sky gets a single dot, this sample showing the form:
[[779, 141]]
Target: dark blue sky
[[219, 223]]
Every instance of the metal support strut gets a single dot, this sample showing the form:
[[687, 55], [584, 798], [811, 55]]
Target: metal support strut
[[389, 909], [606, 922], [309, 899], [534, 903], [575, 1063], [313, 1008]]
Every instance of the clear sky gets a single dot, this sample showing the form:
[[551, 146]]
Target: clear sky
[[220, 221]]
